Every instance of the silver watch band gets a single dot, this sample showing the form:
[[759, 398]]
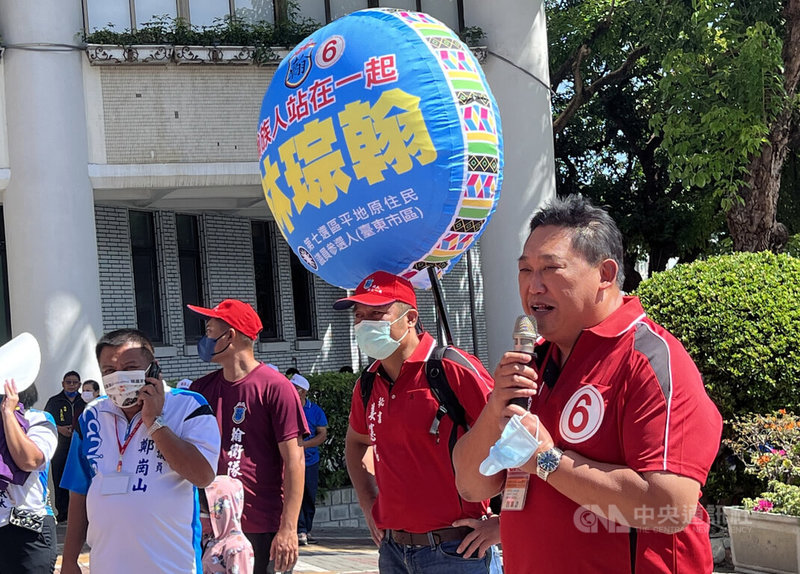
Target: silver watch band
[[157, 424]]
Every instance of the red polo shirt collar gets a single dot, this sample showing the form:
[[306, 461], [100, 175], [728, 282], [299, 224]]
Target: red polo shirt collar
[[621, 320]]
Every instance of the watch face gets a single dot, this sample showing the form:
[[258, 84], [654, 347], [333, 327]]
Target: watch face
[[548, 461]]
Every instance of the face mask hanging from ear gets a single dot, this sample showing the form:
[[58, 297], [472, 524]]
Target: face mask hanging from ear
[[206, 345], [374, 338]]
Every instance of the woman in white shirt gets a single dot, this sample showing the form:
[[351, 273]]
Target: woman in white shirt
[[27, 524]]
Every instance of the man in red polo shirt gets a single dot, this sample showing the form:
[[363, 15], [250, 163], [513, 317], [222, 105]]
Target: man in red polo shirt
[[626, 430], [412, 507]]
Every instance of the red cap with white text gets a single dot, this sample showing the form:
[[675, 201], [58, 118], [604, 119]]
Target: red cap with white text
[[378, 289]]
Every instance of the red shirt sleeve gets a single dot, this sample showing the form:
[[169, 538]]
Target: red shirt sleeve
[[358, 415], [670, 424], [288, 421]]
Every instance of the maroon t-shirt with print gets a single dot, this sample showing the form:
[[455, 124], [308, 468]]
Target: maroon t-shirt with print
[[254, 415]]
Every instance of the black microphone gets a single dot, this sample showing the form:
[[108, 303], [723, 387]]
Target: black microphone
[[524, 336]]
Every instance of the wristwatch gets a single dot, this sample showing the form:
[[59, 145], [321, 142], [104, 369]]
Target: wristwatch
[[157, 424], [547, 462]]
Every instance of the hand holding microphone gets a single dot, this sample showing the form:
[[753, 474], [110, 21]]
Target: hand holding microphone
[[516, 444], [525, 336]]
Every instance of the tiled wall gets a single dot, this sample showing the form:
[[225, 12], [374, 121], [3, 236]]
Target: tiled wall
[[167, 114], [228, 271]]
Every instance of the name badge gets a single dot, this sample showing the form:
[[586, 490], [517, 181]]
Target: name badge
[[516, 489], [117, 483]]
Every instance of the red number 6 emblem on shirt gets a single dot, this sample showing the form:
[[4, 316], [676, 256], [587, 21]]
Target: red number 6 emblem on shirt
[[582, 415]]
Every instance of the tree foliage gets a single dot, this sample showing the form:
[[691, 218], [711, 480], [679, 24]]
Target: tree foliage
[[678, 115], [606, 56]]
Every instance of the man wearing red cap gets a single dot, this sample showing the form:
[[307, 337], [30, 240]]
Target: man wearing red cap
[[260, 418], [412, 507]]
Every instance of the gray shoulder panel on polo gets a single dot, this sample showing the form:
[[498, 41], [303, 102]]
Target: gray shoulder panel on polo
[[656, 349]]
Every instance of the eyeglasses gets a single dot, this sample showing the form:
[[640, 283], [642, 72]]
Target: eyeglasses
[[69, 382]]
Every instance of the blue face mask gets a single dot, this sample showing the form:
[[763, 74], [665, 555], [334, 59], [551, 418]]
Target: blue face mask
[[514, 448], [71, 394], [206, 346]]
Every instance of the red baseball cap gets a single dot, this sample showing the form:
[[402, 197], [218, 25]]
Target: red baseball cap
[[380, 288], [235, 313]]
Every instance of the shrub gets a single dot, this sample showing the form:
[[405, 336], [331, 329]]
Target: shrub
[[778, 499], [332, 392], [769, 447], [739, 318]]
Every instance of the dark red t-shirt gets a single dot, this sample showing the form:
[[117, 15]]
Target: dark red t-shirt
[[416, 484], [629, 394], [254, 415]]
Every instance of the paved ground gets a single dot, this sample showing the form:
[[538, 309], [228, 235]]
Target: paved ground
[[338, 551]]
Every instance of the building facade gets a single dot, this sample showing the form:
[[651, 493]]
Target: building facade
[[132, 189]]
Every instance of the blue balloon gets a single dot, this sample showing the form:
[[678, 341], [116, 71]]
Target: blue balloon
[[380, 147]]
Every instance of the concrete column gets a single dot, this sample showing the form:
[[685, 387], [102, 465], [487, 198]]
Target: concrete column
[[54, 283], [517, 71]]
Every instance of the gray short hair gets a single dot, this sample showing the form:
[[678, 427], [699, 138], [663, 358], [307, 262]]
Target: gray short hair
[[595, 235]]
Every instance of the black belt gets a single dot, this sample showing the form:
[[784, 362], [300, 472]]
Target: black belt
[[432, 538]]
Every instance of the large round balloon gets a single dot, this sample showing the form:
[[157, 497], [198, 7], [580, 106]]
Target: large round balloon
[[20, 360], [380, 147]]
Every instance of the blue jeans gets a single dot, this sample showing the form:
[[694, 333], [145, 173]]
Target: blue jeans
[[309, 507], [397, 558]]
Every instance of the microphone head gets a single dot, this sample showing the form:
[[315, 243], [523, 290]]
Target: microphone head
[[525, 328], [525, 334]]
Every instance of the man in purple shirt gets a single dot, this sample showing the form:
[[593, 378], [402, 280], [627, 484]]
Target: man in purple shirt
[[261, 419]]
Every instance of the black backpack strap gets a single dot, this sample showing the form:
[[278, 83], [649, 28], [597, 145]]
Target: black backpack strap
[[448, 402], [367, 380]]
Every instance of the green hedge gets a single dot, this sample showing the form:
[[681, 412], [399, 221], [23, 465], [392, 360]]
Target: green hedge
[[332, 392], [739, 317]]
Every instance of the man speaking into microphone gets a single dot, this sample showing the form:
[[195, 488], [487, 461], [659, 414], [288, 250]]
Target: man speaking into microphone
[[621, 433]]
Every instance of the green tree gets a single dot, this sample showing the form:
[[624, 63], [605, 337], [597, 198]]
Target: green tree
[[605, 66], [679, 115], [730, 93]]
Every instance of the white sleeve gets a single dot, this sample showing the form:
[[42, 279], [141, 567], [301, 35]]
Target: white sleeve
[[199, 426], [42, 432]]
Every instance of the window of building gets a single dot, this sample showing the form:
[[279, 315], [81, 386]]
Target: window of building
[[5, 307], [266, 278], [451, 12], [191, 272], [126, 14], [145, 274], [147, 10], [303, 296], [129, 14]]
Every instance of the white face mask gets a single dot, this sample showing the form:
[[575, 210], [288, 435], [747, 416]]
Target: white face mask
[[374, 338], [87, 396], [123, 387]]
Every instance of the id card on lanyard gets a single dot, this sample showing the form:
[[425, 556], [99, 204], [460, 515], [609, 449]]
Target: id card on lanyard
[[516, 489], [119, 482]]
